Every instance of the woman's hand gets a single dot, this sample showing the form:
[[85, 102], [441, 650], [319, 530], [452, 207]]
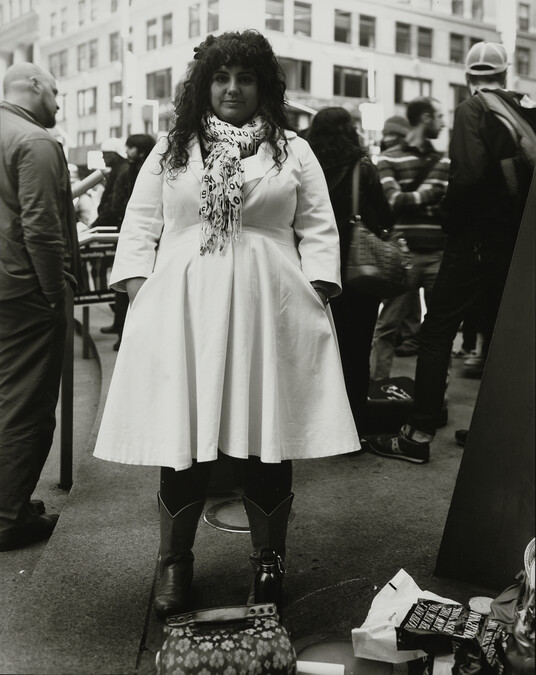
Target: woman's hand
[[133, 286]]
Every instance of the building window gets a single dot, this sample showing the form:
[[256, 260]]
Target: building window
[[477, 10], [424, 42], [213, 17], [523, 61], [297, 74], [115, 47], [159, 84], [54, 64], [457, 49], [115, 132], [63, 24], [114, 6], [194, 20], [93, 53], [116, 89], [87, 138], [403, 38], [82, 57], [81, 12], [367, 31], [302, 19], [87, 102], [457, 7], [151, 34], [343, 26], [167, 29], [63, 63], [458, 93], [274, 15], [350, 82], [407, 88], [93, 10], [53, 24], [523, 17]]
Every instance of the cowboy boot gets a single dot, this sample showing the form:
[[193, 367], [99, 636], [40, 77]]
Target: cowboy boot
[[177, 535], [268, 531]]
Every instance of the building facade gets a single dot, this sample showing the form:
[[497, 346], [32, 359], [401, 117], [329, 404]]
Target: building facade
[[118, 62]]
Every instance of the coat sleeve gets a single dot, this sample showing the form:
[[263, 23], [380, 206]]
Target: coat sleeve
[[315, 225], [41, 192], [142, 225]]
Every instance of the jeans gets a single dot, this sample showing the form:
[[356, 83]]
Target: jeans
[[470, 275], [396, 310]]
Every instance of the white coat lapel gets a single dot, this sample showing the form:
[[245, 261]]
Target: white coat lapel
[[256, 167]]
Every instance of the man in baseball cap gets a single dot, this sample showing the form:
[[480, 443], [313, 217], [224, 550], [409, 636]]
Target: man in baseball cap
[[481, 217], [114, 154]]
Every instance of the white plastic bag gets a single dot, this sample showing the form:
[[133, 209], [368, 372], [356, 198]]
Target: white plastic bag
[[376, 639]]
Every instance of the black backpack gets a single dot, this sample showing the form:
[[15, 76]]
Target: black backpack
[[521, 124]]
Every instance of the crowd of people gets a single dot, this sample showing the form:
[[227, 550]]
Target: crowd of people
[[240, 337]]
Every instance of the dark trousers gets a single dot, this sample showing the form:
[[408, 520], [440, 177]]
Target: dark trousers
[[32, 341], [265, 484], [355, 316], [470, 276]]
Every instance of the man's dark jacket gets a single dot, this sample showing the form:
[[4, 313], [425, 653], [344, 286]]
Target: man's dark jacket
[[38, 241]]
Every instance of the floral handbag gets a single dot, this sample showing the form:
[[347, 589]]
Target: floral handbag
[[242, 640]]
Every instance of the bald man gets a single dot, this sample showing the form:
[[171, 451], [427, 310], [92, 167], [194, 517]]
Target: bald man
[[38, 265]]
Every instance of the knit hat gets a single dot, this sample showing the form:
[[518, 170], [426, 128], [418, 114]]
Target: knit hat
[[396, 125], [486, 58], [114, 145]]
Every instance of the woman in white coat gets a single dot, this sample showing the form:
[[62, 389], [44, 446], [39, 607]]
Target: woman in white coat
[[229, 253]]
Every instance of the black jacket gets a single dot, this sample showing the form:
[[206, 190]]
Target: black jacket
[[108, 213], [477, 202], [38, 241]]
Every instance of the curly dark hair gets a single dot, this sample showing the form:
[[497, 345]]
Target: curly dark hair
[[249, 48], [334, 138]]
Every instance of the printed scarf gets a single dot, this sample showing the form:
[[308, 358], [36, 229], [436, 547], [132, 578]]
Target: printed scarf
[[223, 178]]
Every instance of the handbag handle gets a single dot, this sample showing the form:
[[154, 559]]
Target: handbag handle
[[355, 189], [215, 614]]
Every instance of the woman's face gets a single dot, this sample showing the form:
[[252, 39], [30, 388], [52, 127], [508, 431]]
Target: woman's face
[[234, 95]]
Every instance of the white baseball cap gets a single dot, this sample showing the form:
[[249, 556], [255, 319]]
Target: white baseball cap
[[114, 145], [486, 58]]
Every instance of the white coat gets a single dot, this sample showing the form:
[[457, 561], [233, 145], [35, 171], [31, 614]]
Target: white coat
[[232, 351]]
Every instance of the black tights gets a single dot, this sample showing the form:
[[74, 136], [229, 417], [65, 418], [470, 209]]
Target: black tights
[[265, 484]]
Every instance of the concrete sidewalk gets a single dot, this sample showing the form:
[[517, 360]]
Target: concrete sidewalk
[[81, 603]]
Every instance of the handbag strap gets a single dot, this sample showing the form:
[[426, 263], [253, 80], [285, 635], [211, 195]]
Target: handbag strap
[[215, 614], [355, 188]]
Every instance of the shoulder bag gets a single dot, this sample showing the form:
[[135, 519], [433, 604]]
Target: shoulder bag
[[377, 265]]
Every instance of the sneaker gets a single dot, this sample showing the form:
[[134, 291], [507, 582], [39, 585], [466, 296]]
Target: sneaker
[[461, 436], [398, 447]]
